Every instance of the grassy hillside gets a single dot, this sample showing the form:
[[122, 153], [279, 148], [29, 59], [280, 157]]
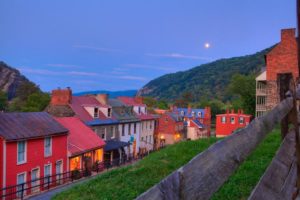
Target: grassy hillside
[[209, 80], [129, 182]]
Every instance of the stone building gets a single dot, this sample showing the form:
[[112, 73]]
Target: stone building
[[281, 59]]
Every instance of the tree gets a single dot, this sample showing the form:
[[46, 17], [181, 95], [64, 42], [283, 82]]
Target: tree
[[36, 102], [185, 99], [3, 101], [244, 87]]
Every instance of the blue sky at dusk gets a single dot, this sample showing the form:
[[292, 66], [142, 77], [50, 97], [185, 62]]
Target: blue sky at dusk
[[119, 45]]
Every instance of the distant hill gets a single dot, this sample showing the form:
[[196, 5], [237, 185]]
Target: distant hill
[[112, 94], [11, 79], [207, 80]]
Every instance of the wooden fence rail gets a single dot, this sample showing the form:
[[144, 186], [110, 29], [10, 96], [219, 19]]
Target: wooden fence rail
[[207, 172]]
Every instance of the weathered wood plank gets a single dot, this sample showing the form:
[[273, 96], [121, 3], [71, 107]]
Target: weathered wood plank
[[279, 180], [207, 172]]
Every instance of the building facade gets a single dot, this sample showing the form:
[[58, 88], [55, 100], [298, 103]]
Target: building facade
[[280, 60], [227, 123], [33, 145]]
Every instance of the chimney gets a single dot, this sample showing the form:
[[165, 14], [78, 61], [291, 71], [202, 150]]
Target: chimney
[[189, 109], [102, 98], [288, 35], [227, 111], [232, 111], [61, 97], [138, 99]]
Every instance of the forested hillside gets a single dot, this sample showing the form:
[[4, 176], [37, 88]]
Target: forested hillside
[[207, 80]]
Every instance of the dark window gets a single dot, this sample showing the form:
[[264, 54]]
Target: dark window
[[123, 129], [129, 129], [134, 127], [96, 112], [109, 112]]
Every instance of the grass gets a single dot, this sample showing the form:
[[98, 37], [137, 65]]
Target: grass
[[128, 182], [240, 185]]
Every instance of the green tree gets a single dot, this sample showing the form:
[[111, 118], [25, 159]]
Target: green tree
[[36, 102], [244, 88], [3, 101]]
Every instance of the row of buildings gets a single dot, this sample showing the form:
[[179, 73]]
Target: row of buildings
[[80, 132]]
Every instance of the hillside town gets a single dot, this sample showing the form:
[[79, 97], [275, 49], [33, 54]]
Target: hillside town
[[81, 136]]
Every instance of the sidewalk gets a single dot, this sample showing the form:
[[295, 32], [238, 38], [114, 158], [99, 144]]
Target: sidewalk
[[47, 195]]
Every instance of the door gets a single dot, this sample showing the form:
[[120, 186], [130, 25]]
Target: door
[[59, 171], [35, 182]]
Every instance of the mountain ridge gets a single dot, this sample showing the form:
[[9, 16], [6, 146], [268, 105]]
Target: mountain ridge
[[209, 80]]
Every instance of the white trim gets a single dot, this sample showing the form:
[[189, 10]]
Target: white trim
[[25, 179], [35, 189], [50, 147], [25, 153], [50, 170], [4, 164], [62, 169]]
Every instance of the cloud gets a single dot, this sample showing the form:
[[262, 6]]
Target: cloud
[[178, 55], [136, 78], [38, 71], [141, 66], [102, 49], [78, 73], [64, 66]]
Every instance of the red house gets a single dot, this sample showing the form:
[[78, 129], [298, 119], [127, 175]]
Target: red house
[[32, 146], [227, 123], [170, 129], [85, 147]]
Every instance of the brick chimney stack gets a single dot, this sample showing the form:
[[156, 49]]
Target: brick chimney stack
[[102, 98], [61, 97], [287, 35]]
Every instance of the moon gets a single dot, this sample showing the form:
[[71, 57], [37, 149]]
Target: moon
[[207, 45]]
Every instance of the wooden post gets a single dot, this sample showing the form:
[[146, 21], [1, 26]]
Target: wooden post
[[283, 83]]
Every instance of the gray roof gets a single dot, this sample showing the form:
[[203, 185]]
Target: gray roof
[[18, 126], [122, 112]]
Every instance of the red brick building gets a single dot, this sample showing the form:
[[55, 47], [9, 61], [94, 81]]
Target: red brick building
[[280, 60], [32, 145], [170, 129], [227, 123]]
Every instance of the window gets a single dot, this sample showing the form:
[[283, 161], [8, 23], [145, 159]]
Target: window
[[47, 146], [241, 120], [129, 129], [98, 155], [182, 113], [123, 129], [21, 152], [145, 110], [166, 119], [146, 139], [59, 171], [150, 125], [150, 141], [139, 110], [35, 175], [134, 128], [103, 134], [96, 112], [142, 138], [232, 120], [261, 100], [199, 114], [47, 175], [109, 112], [193, 114], [75, 163], [112, 130], [21, 179], [223, 120]]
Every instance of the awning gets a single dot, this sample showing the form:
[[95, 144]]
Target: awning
[[113, 145]]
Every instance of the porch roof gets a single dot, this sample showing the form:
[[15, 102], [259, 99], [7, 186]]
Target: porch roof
[[114, 144]]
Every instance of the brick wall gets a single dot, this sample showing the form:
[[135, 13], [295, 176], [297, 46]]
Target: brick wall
[[61, 97]]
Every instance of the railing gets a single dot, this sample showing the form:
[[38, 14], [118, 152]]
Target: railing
[[36, 186], [208, 171], [261, 92]]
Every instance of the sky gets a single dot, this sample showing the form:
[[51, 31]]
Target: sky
[[119, 45]]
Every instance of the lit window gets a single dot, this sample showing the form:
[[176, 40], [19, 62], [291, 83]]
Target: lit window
[[99, 155], [21, 152], [199, 114], [47, 146], [75, 163]]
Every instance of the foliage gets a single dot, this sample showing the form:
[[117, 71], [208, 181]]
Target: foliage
[[3, 101], [244, 87], [208, 80], [153, 103], [184, 100], [129, 182], [217, 106], [240, 185], [29, 99]]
